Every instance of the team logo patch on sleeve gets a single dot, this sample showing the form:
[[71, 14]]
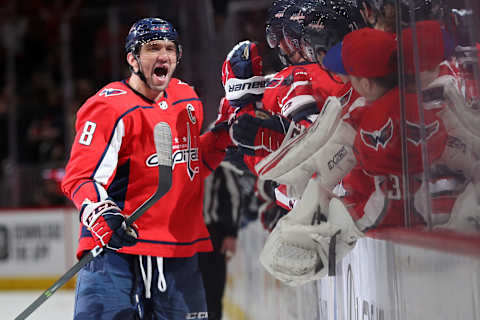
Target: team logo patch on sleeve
[[108, 92], [378, 137], [414, 134], [273, 83]]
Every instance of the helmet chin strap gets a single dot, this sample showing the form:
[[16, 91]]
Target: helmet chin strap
[[139, 73], [288, 57], [285, 59]]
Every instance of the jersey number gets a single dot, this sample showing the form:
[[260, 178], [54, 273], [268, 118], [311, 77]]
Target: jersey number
[[87, 134], [394, 191], [391, 186]]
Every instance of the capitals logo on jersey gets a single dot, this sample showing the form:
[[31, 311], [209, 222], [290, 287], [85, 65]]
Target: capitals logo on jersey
[[109, 92], [378, 137], [184, 154], [274, 82], [187, 154], [414, 135]]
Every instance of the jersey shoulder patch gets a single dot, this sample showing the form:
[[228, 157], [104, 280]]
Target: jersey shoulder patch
[[380, 137], [109, 92]]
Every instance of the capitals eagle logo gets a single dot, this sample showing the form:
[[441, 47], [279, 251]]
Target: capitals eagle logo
[[381, 137], [378, 137], [414, 134]]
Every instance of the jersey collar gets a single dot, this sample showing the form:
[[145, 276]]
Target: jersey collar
[[141, 95]]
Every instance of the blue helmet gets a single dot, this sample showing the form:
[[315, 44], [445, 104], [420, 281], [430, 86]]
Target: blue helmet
[[326, 25], [294, 23], [149, 29], [274, 23], [323, 29]]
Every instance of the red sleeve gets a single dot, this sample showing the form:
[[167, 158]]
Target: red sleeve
[[92, 164], [324, 85], [212, 146]]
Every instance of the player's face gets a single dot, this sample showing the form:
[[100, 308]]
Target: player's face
[[293, 56], [389, 18], [360, 85], [159, 60], [283, 47]]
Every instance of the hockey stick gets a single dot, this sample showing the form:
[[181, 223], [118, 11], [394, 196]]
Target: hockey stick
[[163, 144]]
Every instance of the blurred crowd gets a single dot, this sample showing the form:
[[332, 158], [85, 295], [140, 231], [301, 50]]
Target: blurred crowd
[[54, 54]]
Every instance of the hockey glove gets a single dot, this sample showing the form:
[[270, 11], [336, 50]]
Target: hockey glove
[[259, 136], [242, 74], [107, 225]]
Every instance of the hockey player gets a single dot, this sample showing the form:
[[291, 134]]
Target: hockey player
[[273, 28], [373, 132], [370, 136], [323, 29], [297, 92], [149, 270], [305, 24], [358, 187], [244, 86], [378, 14], [450, 186]]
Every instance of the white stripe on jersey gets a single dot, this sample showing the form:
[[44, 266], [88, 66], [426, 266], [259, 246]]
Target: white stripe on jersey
[[292, 88], [110, 160]]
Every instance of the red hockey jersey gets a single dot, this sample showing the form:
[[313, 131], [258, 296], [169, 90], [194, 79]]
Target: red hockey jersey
[[297, 85], [114, 156], [378, 147]]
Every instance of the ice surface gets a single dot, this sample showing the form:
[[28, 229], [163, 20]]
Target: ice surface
[[57, 307]]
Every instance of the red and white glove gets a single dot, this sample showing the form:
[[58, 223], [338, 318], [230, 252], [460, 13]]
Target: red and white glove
[[244, 86], [242, 75], [107, 225]]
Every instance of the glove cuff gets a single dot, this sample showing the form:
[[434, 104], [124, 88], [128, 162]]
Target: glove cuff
[[245, 90], [90, 212]]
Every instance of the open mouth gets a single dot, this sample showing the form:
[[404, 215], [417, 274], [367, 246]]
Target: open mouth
[[161, 72]]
